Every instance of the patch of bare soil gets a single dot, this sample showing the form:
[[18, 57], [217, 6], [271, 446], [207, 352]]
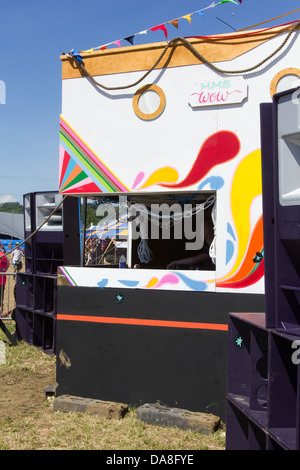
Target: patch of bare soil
[[23, 392], [9, 302]]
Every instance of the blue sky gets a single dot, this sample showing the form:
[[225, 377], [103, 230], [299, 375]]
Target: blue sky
[[33, 33]]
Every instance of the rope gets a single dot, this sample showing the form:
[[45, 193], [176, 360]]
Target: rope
[[268, 21], [36, 230], [199, 56]]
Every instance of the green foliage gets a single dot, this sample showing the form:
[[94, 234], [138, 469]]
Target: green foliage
[[91, 215], [12, 207]]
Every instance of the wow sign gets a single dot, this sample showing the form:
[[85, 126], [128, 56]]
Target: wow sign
[[218, 92]]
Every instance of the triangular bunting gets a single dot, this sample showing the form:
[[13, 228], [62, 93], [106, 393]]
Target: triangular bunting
[[162, 27], [226, 1], [130, 39], [174, 23], [187, 17]]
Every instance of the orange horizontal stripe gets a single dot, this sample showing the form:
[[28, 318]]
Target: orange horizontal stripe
[[144, 322]]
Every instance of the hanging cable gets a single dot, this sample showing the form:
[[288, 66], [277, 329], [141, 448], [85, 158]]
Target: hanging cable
[[36, 230], [268, 21]]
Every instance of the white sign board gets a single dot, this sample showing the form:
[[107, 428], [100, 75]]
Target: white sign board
[[216, 92]]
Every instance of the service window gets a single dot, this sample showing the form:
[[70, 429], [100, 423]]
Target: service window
[[152, 231]]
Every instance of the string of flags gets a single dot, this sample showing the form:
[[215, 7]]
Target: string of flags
[[161, 27]]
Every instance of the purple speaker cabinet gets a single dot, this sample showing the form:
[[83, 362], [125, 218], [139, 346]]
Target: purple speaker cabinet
[[287, 209], [263, 381], [55, 244]]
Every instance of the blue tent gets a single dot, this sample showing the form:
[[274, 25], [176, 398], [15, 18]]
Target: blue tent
[[109, 229], [9, 244]]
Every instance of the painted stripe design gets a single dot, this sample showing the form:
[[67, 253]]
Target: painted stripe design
[[80, 163], [144, 322]]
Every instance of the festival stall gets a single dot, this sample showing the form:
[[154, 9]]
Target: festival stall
[[168, 134]]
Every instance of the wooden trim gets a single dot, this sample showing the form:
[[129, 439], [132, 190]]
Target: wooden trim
[[281, 74], [136, 98], [142, 57]]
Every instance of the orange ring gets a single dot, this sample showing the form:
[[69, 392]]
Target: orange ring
[[136, 98], [279, 75]]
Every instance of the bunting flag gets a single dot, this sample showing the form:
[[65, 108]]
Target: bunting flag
[[161, 27]]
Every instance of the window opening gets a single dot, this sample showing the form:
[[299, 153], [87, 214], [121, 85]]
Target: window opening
[[149, 102], [152, 231]]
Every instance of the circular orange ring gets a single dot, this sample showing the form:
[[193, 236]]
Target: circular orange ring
[[138, 94], [281, 74]]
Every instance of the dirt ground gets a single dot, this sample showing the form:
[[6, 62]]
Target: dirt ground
[[23, 393]]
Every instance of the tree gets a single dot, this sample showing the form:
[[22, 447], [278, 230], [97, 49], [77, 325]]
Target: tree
[[12, 207]]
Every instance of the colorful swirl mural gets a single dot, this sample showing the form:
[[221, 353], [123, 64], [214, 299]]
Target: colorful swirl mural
[[246, 186], [82, 171], [218, 148]]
